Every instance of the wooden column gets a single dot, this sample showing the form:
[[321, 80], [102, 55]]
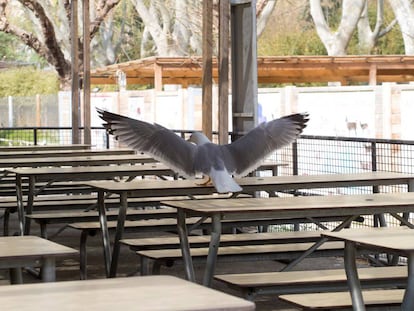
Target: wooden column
[[207, 88], [223, 108], [75, 72], [86, 75], [157, 77], [373, 75]]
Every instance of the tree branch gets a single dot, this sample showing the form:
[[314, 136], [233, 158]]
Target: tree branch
[[54, 54], [103, 7]]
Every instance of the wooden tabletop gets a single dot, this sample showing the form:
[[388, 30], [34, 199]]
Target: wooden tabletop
[[275, 183], [45, 147], [399, 239], [91, 171], [16, 247], [79, 160], [147, 293], [301, 206], [63, 153]]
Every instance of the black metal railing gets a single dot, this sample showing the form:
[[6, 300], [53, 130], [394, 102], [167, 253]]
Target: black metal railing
[[308, 155]]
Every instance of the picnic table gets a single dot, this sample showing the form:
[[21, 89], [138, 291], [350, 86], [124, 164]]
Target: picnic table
[[52, 175], [348, 206], [91, 160], [150, 293], [45, 147], [398, 241], [63, 153], [161, 188], [17, 252]]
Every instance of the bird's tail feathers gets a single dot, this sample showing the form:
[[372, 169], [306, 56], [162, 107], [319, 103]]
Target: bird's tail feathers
[[223, 182]]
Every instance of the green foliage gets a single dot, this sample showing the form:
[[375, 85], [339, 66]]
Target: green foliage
[[23, 137], [291, 44], [288, 34], [7, 46], [27, 81], [129, 28]]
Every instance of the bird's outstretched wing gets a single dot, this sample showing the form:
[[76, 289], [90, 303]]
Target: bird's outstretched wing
[[152, 139], [250, 150]]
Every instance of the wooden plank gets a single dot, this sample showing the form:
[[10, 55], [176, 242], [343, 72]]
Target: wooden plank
[[14, 247], [329, 301], [309, 277], [150, 293], [226, 239], [260, 250], [207, 79]]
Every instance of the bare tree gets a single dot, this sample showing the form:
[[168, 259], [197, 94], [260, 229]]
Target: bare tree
[[173, 27], [367, 37], [404, 12], [336, 41], [44, 26]]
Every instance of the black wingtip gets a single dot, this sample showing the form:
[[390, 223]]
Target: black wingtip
[[300, 119]]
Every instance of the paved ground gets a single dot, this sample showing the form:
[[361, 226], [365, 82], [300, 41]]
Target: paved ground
[[68, 269]]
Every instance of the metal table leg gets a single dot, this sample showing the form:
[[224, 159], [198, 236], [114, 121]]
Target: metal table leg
[[105, 232], [16, 276], [20, 204], [48, 270], [408, 301], [352, 276], [185, 245], [119, 233], [29, 205], [212, 250]]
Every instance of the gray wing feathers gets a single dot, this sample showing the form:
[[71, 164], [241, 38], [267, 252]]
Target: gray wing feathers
[[250, 150], [152, 139]]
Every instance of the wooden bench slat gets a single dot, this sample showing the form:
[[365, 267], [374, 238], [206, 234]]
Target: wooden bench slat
[[256, 252], [327, 280], [239, 250], [336, 300], [225, 239], [308, 276]]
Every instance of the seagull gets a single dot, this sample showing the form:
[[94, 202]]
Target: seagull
[[198, 155]]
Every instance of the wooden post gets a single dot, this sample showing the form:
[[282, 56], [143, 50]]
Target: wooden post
[[207, 92], [38, 115], [86, 75], [157, 77], [75, 72], [373, 75], [223, 108]]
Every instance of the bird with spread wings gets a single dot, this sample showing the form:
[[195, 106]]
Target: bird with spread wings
[[199, 155]]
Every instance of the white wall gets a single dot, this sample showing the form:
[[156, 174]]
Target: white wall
[[383, 111]]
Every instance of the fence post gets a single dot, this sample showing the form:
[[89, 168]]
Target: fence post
[[295, 158], [107, 139], [35, 136], [10, 104]]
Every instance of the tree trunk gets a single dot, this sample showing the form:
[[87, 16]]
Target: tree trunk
[[404, 12], [336, 42]]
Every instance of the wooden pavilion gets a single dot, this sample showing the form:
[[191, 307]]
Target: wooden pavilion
[[372, 69]]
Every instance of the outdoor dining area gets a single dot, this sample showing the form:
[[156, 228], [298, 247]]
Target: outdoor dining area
[[161, 221], [89, 225]]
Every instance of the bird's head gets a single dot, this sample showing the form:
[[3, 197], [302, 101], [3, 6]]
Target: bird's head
[[198, 138]]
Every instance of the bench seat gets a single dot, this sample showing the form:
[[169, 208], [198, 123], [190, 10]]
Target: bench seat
[[252, 284], [342, 300], [61, 210], [139, 244], [289, 251]]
